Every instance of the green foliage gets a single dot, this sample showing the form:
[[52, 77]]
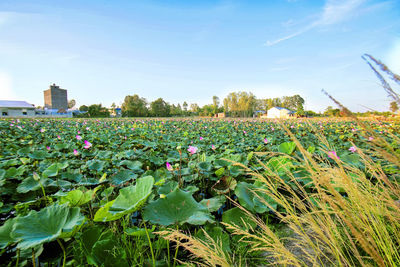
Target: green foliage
[[178, 207], [130, 199], [134, 106], [50, 223], [160, 108]]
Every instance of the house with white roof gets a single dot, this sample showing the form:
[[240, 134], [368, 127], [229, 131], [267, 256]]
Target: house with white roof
[[279, 113], [11, 108]]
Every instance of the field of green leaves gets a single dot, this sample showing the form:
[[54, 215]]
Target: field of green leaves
[[154, 192]]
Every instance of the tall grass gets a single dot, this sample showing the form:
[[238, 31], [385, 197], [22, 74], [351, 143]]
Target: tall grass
[[358, 226]]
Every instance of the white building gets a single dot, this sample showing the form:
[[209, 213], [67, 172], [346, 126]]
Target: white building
[[279, 113], [9, 108]]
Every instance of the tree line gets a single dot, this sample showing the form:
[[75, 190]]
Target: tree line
[[236, 104]]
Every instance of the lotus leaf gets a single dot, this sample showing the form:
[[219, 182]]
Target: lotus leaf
[[213, 204], [178, 207], [238, 217], [122, 177], [46, 225], [287, 147], [130, 199], [252, 199], [77, 197], [96, 165], [5, 233]]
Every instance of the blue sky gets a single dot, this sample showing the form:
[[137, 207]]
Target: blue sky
[[101, 51]]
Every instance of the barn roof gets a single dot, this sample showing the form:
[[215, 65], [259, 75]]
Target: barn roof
[[15, 104]]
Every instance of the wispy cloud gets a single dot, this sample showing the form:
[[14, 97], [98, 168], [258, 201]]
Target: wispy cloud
[[334, 11]]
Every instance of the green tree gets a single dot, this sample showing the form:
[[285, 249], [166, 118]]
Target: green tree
[[83, 108], [194, 108], [300, 111], [215, 104], [96, 111], [393, 106], [331, 112], [134, 106], [240, 104], [176, 110], [71, 103], [207, 110], [185, 106], [160, 108]]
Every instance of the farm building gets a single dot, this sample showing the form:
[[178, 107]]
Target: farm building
[[279, 113], [9, 108]]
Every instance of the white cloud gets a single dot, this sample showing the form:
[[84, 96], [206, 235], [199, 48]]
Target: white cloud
[[6, 92], [334, 11]]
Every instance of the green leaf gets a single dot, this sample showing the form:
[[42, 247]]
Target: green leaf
[[177, 207], [109, 253], [280, 165], [220, 172], [28, 184], [5, 233], [46, 225], [77, 197], [136, 231], [250, 156], [38, 154], [51, 171], [95, 165], [213, 204], [122, 177], [217, 234], [130, 199], [252, 199], [238, 217], [287, 147], [132, 165], [205, 166], [167, 187]]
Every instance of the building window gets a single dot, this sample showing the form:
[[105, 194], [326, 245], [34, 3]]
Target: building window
[[25, 113], [4, 113]]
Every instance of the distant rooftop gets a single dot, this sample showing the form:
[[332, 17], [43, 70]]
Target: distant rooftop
[[15, 104], [281, 108]]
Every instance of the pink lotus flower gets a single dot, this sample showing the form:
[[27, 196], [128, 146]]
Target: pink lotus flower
[[79, 132], [370, 138], [201, 138], [352, 149], [169, 166], [78, 137], [272, 129], [333, 155], [192, 150], [59, 137], [87, 144], [76, 152], [244, 132], [212, 147], [47, 147], [42, 130], [266, 141]]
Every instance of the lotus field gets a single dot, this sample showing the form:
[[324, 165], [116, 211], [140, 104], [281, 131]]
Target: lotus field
[[170, 192]]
